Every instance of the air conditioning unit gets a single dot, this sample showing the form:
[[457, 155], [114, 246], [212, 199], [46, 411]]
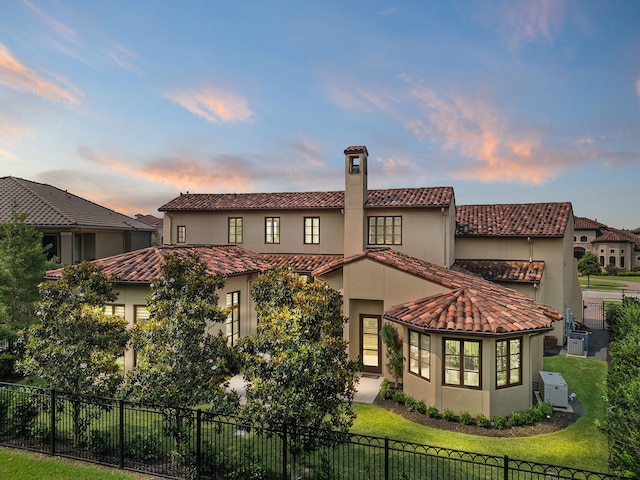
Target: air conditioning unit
[[555, 389], [575, 346]]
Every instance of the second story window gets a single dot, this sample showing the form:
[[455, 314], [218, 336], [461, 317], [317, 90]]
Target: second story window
[[235, 230], [272, 230], [233, 319], [311, 230], [112, 310], [385, 230], [182, 234]]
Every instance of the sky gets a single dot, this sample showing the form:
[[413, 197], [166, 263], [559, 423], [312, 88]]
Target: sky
[[130, 103]]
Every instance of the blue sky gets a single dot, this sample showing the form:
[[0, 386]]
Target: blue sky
[[130, 103]]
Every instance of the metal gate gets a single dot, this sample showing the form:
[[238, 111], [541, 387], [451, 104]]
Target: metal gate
[[594, 315]]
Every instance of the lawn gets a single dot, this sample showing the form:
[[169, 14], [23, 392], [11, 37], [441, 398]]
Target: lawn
[[581, 445]]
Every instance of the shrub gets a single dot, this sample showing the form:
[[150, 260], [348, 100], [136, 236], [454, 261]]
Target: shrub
[[99, 442], [483, 421], [500, 422], [432, 412], [400, 397], [143, 448], [385, 389], [612, 270], [466, 418], [546, 408], [24, 415], [7, 364], [448, 415], [409, 402], [518, 418], [41, 433], [421, 407]]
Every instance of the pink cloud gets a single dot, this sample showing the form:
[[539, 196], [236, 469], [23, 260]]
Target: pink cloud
[[213, 104], [17, 76]]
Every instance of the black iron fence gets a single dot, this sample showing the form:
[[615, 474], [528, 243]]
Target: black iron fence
[[186, 443]]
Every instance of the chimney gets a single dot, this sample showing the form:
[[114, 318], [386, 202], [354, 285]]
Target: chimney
[[355, 196]]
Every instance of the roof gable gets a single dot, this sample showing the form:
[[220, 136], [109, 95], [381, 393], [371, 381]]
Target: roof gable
[[48, 206], [513, 220]]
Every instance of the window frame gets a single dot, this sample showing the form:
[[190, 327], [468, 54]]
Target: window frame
[[462, 360], [272, 230], [311, 234], [136, 321], [235, 231], [181, 234], [233, 317], [423, 355], [378, 227], [110, 309], [508, 358]]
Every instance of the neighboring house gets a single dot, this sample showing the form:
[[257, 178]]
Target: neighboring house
[[136, 270], [156, 223], [397, 255], [76, 229], [613, 247]]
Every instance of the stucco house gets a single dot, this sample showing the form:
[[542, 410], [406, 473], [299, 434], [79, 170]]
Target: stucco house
[[76, 229], [613, 247]]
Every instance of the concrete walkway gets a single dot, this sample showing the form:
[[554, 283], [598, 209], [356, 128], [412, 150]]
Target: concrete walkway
[[367, 388]]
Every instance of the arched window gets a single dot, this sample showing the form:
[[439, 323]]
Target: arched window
[[583, 238], [612, 260]]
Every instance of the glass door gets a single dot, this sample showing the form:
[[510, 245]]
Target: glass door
[[370, 350]]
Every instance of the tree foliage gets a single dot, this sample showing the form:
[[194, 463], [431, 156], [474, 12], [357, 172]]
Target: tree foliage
[[23, 263], [589, 265], [297, 370], [623, 387], [179, 363], [393, 343]]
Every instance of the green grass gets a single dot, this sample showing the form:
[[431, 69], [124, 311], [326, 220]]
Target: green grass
[[21, 465], [596, 284], [581, 445]]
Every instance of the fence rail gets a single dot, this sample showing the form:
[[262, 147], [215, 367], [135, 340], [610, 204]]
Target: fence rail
[[185, 443]]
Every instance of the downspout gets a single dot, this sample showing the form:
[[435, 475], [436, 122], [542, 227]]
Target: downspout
[[444, 238]]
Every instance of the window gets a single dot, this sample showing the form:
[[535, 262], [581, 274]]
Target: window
[[462, 363], [311, 230], [385, 230], [602, 260], [114, 310], [612, 251], [574, 238], [272, 230], [621, 262], [235, 229], [233, 319], [419, 354], [583, 238], [140, 317], [508, 362], [182, 234], [612, 261]]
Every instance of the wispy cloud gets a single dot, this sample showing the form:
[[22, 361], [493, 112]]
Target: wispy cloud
[[638, 87], [122, 56], [308, 150], [213, 104], [17, 76]]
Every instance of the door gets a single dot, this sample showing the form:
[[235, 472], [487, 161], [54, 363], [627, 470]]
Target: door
[[370, 350]]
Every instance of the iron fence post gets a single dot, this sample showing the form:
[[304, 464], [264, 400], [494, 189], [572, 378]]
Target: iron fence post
[[121, 433], [505, 468], [52, 420], [198, 443], [386, 458], [284, 451]]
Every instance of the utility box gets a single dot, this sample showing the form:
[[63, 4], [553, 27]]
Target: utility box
[[580, 334], [575, 346], [555, 390]]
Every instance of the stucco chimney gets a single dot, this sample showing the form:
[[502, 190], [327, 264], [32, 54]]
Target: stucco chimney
[[355, 196]]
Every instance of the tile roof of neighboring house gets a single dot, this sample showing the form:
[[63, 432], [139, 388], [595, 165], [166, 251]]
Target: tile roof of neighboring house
[[142, 266], [473, 305], [150, 220], [584, 223], [303, 264], [513, 220], [48, 206], [613, 235], [517, 271], [430, 197]]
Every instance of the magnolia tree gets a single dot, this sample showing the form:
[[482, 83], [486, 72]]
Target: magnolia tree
[[588, 265], [297, 370], [74, 347], [179, 363]]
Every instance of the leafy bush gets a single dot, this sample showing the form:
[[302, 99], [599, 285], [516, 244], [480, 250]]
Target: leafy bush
[[483, 421], [143, 448], [41, 433], [611, 270], [546, 408], [518, 418], [432, 412], [466, 418], [400, 397], [500, 422], [448, 415], [385, 389], [7, 364], [4, 412], [409, 402], [421, 407], [23, 416], [99, 442]]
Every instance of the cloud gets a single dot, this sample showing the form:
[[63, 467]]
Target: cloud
[[17, 76], [213, 104], [349, 94], [638, 87], [308, 151], [123, 57]]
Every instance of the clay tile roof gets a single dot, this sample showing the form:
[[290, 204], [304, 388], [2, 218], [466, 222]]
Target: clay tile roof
[[142, 266], [431, 197], [48, 206], [473, 304], [356, 149], [584, 223], [520, 271], [514, 220], [303, 264]]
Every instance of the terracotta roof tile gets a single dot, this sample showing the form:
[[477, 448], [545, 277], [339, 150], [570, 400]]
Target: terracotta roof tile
[[142, 266], [48, 206], [514, 220], [520, 271], [303, 264], [584, 223]]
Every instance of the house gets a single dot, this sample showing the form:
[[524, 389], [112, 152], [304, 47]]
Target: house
[[156, 223], [613, 247], [76, 229], [474, 341]]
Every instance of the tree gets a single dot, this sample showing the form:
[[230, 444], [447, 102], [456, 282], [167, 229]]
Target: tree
[[74, 346], [395, 359], [588, 265], [179, 363], [23, 263], [297, 370]]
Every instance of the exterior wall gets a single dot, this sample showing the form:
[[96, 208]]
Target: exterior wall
[[211, 228], [617, 250], [108, 244]]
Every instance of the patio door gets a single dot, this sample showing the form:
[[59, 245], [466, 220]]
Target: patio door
[[370, 350]]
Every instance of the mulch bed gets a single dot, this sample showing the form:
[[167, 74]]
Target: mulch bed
[[558, 421]]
